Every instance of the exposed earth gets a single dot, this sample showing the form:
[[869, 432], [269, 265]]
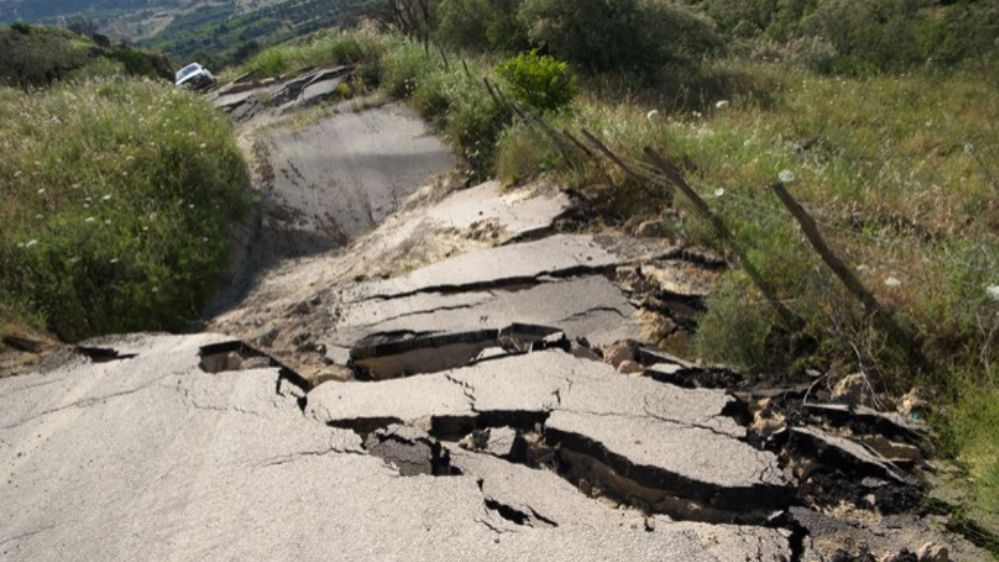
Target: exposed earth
[[406, 367]]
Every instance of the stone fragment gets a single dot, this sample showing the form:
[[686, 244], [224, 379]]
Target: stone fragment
[[843, 454], [629, 367], [618, 353], [892, 450], [854, 390], [914, 403], [502, 442], [933, 552], [655, 228], [680, 278], [767, 420]]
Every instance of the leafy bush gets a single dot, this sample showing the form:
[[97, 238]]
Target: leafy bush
[[864, 35], [482, 25], [541, 82], [815, 53], [897, 34], [403, 67], [609, 35], [116, 205]]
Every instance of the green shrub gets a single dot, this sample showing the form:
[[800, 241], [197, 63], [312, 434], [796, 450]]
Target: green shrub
[[116, 205], [541, 82], [404, 65], [610, 35], [482, 25]]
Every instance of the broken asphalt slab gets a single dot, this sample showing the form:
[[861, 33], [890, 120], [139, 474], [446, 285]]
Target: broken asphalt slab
[[560, 255], [151, 455], [677, 443], [443, 315], [426, 333], [245, 101]]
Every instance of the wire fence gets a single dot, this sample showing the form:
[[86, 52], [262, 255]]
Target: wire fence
[[892, 253]]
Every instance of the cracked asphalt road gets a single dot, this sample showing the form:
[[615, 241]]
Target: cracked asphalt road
[[360, 424]]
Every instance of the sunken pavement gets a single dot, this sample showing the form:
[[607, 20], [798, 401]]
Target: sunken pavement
[[471, 378]]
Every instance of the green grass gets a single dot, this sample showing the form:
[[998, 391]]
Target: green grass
[[325, 48], [116, 204]]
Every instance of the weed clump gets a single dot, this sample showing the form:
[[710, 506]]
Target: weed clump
[[540, 81], [116, 204]]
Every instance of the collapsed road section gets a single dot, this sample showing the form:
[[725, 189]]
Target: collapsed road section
[[428, 372], [151, 456]]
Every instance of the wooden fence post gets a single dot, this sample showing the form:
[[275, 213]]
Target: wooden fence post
[[674, 176], [613, 157], [846, 275]]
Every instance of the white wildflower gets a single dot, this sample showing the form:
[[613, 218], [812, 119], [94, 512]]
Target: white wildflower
[[114, 260], [203, 145], [31, 244], [652, 114], [39, 216], [786, 176], [106, 198], [993, 292], [107, 221], [90, 220], [696, 114], [41, 191], [893, 282], [719, 192], [74, 260], [722, 104], [191, 206]]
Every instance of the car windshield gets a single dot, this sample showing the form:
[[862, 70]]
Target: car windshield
[[187, 71]]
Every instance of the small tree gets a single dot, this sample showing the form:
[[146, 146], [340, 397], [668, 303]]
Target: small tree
[[541, 82], [481, 25], [605, 35]]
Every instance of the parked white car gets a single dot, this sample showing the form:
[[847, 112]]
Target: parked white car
[[194, 76]]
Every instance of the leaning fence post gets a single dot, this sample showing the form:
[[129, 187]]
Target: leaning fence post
[[674, 176], [845, 274], [613, 157], [447, 65]]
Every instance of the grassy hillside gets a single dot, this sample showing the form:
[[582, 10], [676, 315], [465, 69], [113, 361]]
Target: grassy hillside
[[32, 56], [42, 10], [117, 196], [220, 34]]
